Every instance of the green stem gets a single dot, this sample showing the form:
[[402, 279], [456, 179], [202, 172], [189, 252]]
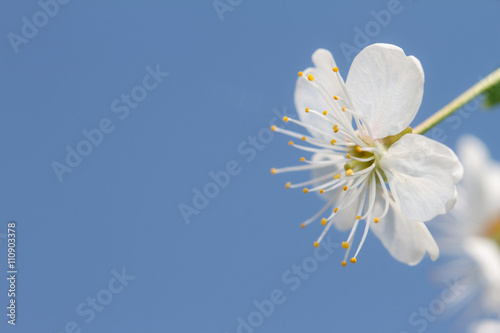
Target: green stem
[[458, 102]]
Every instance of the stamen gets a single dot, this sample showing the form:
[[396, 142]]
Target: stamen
[[305, 190], [335, 69], [287, 185], [330, 186], [386, 194], [353, 260], [311, 181], [326, 96], [349, 172], [371, 203], [368, 159], [285, 119], [315, 216], [299, 168], [310, 149], [310, 77]]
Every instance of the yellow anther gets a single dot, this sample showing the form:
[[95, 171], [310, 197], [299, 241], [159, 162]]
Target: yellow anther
[[310, 77], [335, 69], [316, 244], [358, 217], [335, 98], [343, 263], [321, 191], [323, 221], [273, 171], [345, 188], [287, 185], [307, 110], [303, 138], [358, 149], [302, 159], [345, 245], [302, 225], [305, 190], [335, 129], [285, 119], [273, 128], [353, 260], [376, 220], [348, 156], [337, 176], [290, 143], [333, 142], [301, 73], [349, 172], [325, 113], [335, 210], [343, 108]]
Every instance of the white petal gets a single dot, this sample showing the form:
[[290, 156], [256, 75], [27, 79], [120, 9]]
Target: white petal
[[386, 87], [473, 153], [422, 174], [306, 95], [481, 179], [486, 326], [406, 240], [486, 255]]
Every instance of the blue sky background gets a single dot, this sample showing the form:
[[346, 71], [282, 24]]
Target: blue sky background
[[119, 208]]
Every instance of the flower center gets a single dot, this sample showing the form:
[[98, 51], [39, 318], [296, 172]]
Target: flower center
[[493, 230], [364, 159]]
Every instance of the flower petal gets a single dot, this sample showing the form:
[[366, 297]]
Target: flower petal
[[406, 240], [486, 255], [481, 179], [422, 174], [307, 96], [386, 88], [485, 326]]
